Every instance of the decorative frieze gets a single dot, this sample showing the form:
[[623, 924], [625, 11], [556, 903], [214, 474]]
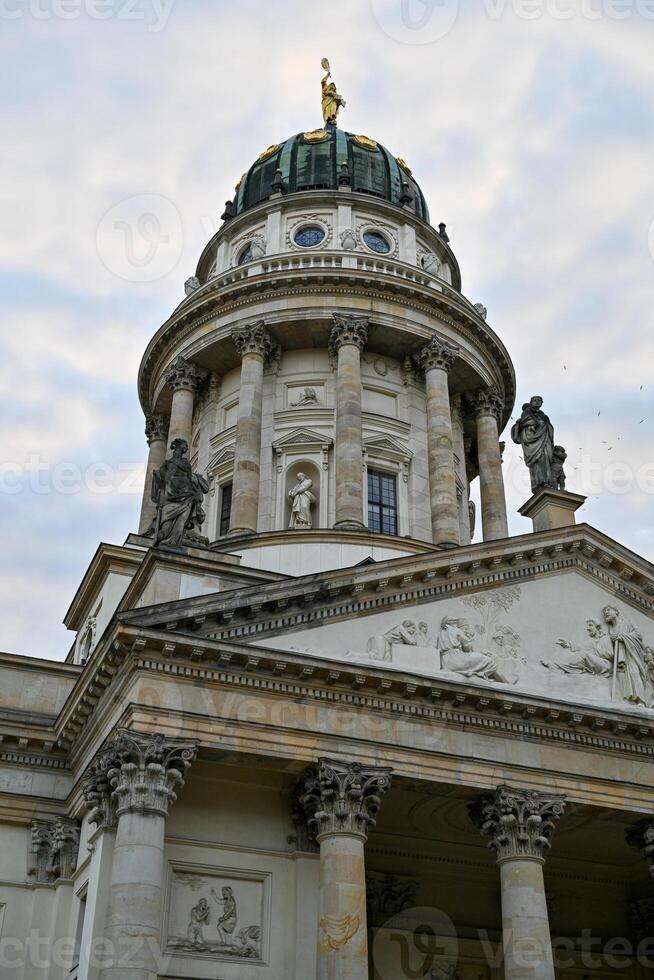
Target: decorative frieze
[[253, 339], [438, 353], [641, 917], [136, 773], [348, 329], [641, 837], [183, 374], [488, 401], [518, 823], [156, 428], [341, 797], [54, 849]]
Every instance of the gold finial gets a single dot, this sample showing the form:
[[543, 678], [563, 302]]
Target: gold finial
[[331, 100]]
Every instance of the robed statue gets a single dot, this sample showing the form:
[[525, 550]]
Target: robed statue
[[178, 494], [535, 433], [331, 100], [302, 500]]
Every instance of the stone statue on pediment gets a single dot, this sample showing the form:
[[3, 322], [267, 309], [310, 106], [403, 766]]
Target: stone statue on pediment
[[178, 494], [535, 434]]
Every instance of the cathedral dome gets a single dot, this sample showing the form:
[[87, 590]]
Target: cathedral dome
[[324, 159]]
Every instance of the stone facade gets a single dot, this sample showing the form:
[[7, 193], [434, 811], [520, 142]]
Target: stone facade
[[351, 750]]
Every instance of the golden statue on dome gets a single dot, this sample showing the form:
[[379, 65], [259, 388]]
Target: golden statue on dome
[[331, 100]]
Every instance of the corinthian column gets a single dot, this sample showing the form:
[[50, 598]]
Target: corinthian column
[[254, 347], [156, 430], [133, 787], [184, 378], [519, 825], [340, 801], [488, 405], [436, 359], [348, 338]]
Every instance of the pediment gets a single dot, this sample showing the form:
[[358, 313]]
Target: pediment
[[302, 437], [223, 457], [386, 446], [547, 637]]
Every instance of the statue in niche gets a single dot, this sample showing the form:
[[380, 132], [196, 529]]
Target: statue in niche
[[178, 494], [302, 502], [535, 434], [308, 397], [455, 644], [615, 650]]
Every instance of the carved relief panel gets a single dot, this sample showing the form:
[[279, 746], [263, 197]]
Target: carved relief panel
[[218, 914]]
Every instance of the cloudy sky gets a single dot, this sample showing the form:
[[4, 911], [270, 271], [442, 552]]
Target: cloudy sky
[[528, 124]]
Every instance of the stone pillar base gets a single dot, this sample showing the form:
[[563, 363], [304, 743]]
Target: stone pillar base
[[350, 526], [549, 509]]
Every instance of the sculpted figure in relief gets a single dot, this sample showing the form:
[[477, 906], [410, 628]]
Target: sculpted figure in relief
[[455, 643], [615, 650], [308, 397], [199, 918], [302, 502]]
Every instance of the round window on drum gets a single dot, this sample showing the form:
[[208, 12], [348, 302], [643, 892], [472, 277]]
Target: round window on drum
[[309, 236], [377, 242]]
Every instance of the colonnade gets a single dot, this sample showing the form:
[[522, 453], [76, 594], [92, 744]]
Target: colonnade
[[348, 338], [133, 784]]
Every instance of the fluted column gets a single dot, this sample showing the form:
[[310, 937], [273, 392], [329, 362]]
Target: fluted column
[[156, 431], [348, 338], [436, 358], [184, 378], [488, 406], [340, 801], [254, 346], [133, 787], [641, 837], [519, 825]]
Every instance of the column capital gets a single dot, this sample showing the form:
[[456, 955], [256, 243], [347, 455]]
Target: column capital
[[184, 374], [518, 823], [641, 837], [437, 353], [488, 401], [54, 850], [348, 329], [253, 339], [342, 797], [156, 428], [136, 773]]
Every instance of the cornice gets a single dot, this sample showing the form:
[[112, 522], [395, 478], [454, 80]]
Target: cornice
[[205, 661], [417, 578], [224, 297]]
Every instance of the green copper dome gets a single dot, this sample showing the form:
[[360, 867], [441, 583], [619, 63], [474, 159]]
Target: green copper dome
[[326, 159]]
